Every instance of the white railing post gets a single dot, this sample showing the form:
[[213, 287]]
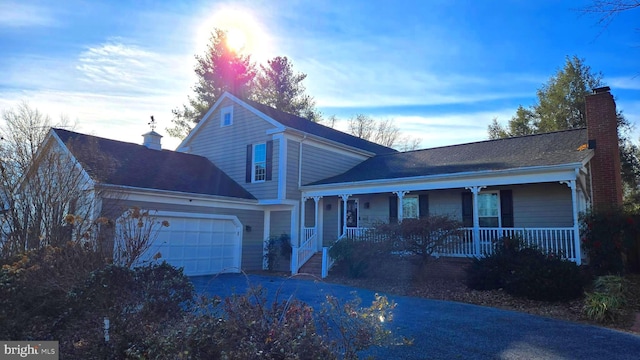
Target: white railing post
[[325, 262], [294, 260]]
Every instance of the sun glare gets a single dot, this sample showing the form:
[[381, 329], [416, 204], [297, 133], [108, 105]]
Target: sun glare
[[245, 35]]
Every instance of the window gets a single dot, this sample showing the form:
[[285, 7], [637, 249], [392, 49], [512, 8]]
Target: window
[[226, 116], [259, 162], [410, 206], [489, 209]]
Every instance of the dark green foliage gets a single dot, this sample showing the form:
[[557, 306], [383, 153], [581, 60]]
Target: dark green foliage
[[607, 235], [354, 256], [526, 272], [276, 249]]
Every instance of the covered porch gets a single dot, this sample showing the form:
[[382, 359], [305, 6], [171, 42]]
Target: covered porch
[[543, 213]]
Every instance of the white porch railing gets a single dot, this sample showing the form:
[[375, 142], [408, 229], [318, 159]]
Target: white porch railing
[[560, 240], [305, 251]]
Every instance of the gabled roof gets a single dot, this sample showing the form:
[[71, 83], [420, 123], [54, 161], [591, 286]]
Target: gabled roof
[[310, 127], [119, 163], [548, 149]]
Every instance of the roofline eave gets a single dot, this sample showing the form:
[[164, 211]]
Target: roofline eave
[[176, 194], [404, 182]]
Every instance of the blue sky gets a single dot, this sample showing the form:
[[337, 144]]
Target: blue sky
[[442, 69]]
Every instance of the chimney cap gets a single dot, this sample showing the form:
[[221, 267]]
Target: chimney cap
[[601, 89]]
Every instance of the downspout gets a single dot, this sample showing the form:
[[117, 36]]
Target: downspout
[[302, 204], [300, 161]]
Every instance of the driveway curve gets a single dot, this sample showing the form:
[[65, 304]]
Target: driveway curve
[[450, 330]]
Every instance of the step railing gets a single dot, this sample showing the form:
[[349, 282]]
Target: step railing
[[301, 254]]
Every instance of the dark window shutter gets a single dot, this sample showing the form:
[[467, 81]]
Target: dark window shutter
[[423, 207], [506, 208], [393, 209], [467, 209], [249, 161], [269, 159]]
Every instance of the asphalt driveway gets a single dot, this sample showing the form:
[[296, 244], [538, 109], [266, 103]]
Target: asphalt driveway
[[449, 330]]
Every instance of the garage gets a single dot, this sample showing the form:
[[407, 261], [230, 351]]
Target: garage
[[202, 244]]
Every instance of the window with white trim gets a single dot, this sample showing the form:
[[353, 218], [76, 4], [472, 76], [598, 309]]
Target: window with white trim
[[489, 209], [226, 116], [410, 207], [259, 162]]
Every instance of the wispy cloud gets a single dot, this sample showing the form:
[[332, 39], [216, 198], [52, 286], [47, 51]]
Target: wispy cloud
[[123, 68], [21, 15], [631, 82]]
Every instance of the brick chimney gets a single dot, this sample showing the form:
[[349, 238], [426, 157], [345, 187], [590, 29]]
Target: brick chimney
[[602, 130]]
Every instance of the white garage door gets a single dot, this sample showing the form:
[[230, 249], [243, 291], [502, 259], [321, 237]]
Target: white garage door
[[202, 244]]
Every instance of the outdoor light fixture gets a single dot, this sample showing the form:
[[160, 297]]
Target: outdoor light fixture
[[328, 207], [366, 205], [247, 228]]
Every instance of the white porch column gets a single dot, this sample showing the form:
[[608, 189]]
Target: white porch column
[[316, 223], [401, 195], [303, 203], [265, 236], [576, 226], [476, 219], [344, 198], [295, 225]]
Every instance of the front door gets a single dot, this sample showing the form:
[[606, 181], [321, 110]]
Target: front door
[[352, 214]]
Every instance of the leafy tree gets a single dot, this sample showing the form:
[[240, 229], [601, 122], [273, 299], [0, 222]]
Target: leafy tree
[[220, 69], [279, 87], [561, 105]]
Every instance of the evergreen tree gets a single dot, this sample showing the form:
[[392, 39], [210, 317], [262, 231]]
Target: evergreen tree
[[279, 87], [561, 106], [220, 69]]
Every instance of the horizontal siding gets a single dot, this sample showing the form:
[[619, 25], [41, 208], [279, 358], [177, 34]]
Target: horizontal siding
[[330, 225], [319, 163], [280, 223], [534, 205], [537, 204], [252, 241], [226, 146], [293, 154], [446, 203]]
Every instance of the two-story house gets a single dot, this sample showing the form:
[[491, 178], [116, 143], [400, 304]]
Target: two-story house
[[248, 171]]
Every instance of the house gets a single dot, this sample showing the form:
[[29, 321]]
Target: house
[[248, 171]]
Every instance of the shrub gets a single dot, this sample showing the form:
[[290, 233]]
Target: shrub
[[526, 272], [249, 326], [133, 301], [34, 286], [423, 236], [605, 302], [354, 256], [606, 237], [277, 248]]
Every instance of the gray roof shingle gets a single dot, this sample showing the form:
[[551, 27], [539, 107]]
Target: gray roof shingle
[[302, 124], [548, 149], [120, 163]]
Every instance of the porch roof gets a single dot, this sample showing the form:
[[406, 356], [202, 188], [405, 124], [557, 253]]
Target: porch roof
[[549, 149]]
